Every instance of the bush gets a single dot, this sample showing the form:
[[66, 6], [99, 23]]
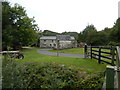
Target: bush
[[11, 76], [46, 75]]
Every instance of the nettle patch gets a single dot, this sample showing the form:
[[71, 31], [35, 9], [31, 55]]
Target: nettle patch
[[47, 75]]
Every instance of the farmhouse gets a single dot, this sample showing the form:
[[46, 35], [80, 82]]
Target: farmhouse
[[58, 41]]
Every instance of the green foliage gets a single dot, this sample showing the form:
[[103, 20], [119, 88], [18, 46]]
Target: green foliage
[[88, 35], [115, 33], [49, 33], [46, 75], [18, 28], [11, 77], [91, 36], [95, 81]]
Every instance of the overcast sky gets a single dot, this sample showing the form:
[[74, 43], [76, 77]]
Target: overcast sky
[[71, 15]]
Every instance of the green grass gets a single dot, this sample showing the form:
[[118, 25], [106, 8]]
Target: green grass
[[104, 50], [71, 51], [89, 65], [80, 51]]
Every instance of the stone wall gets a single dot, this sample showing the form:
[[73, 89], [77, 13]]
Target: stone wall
[[53, 44]]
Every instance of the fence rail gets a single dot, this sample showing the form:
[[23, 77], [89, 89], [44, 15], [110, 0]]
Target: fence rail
[[112, 77], [100, 53]]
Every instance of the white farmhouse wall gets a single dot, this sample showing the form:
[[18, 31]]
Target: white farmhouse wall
[[51, 42], [64, 44], [48, 43]]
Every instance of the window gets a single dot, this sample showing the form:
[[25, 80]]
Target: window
[[52, 40], [44, 40], [54, 44]]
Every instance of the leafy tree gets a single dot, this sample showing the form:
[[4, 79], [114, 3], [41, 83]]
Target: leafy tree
[[49, 33], [88, 34], [115, 33], [91, 36], [18, 28], [80, 37]]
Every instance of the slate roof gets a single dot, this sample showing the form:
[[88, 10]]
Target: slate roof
[[59, 37], [63, 37], [48, 37]]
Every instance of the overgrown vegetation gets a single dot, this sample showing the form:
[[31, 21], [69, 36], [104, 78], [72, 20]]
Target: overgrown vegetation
[[46, 75]]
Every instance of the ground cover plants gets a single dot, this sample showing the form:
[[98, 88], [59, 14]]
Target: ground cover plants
[[47, 75]]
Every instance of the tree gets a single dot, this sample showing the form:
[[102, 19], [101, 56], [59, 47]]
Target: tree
[[88, 34], [115, 33], [18, 28]]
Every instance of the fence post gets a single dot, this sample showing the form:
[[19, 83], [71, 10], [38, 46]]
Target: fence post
[[91, 51], [85, 51], [110, 77], [113, 55], [99, 58], [118, 66], [57, 47]]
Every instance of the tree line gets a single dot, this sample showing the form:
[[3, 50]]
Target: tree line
[[90, 35], [108, 36]]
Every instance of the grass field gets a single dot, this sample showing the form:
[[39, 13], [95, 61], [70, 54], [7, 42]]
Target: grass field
[[88, 65], [71, 51]]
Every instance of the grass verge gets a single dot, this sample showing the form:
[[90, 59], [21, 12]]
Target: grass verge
[[31, 55]]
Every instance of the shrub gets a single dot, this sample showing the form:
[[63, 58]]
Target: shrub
[[46, 75], [11, 76]]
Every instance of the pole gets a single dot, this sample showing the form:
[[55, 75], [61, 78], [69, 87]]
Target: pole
[[57, 47], [85, 51], [118, 66], [99, 58]]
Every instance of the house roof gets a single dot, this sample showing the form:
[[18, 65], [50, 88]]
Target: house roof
[[59, 37], [48, 37], [63, 37]]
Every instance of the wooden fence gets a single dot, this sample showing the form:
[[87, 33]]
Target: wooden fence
[[101, 53], [112, 77]]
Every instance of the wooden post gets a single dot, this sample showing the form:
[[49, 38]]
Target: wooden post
[[91, 51], [57, 47], [113, 55], [85, 51], [110, 77], [99, 53], [118, 66]]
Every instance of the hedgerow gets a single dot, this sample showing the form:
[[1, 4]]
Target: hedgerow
[[46, 75]]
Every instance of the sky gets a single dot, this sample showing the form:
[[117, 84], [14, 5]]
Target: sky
[[71, 15]]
